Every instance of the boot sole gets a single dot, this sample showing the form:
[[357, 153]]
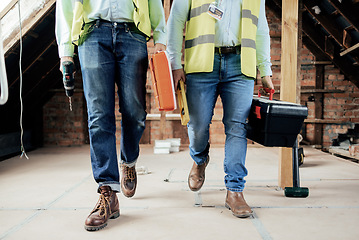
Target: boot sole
[[96, 228], [244, 215]]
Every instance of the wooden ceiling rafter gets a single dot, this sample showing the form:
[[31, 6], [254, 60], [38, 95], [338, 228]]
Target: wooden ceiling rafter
[[325, 37]]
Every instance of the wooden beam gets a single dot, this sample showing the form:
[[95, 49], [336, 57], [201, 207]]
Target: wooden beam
[[7, 8], [322, 91], [33, 61], [314, 43], [289, 79], [299, 48], [325, 21], [324, 121], [28, 24], [318, 104], [348, 12], [355, 47]]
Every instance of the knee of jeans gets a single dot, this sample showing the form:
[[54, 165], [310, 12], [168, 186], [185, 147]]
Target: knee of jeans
[[138, 118], [198, 127], [236, 129], [106, 123]]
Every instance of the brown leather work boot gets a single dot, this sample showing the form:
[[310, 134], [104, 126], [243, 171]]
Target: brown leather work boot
[[128, 180], [236, 203], [106, 207], [197, 176]]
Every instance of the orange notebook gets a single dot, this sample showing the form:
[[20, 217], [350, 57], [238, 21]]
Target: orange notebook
[[162, 81]]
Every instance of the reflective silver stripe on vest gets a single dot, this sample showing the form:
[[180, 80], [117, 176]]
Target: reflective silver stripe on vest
[[249, 43], [209, 38], [198, 11], [248, 14]]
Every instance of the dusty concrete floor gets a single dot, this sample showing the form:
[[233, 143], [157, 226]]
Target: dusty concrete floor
[[50, 195]]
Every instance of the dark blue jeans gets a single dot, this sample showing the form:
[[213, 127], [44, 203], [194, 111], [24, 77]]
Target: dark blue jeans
[[112, 55], [236, 92]]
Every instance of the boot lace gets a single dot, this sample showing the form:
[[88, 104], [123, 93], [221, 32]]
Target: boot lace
[[102, 206], [130, 173]]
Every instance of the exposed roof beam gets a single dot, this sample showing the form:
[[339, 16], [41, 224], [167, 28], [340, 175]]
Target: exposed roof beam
[[347, 11], [325, 21], [7, 8], [355, 47], [28, 25]]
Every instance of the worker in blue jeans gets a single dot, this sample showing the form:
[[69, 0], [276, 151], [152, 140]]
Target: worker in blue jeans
[[112, 49], [226, 42]]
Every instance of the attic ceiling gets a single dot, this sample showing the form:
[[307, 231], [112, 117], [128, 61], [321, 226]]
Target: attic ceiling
[[40, 76], [330, 30]]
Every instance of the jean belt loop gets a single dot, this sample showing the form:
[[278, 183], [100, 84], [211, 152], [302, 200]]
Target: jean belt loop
[[126, 27], [238, 49], [98, 22]]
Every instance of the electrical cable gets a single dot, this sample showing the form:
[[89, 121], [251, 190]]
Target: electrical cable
[[23, 153]]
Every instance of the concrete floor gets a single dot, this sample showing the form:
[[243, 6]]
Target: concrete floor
[[50, 195]]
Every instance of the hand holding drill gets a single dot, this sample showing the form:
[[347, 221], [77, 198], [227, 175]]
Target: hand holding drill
[[67, 69]]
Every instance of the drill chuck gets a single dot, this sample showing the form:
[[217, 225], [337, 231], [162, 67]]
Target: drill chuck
[[68, 77]]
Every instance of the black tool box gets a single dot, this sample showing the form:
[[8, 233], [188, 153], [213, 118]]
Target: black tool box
[[275, 123]]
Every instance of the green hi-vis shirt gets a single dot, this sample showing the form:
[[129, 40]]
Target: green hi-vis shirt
[[110, 10]]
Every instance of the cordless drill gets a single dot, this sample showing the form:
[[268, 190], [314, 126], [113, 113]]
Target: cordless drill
[[68, 79]]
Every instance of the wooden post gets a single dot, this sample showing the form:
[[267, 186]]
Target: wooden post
[[288, 87], [318, 107]]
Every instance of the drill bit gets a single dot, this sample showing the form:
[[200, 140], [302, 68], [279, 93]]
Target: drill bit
[[70, 103]]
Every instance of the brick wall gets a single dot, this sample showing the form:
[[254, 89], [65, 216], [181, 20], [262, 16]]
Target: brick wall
[[342, 107], [63, 127], [339, 108]]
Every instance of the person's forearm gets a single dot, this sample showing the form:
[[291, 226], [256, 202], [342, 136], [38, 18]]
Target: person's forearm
[[263, 44], [158, 22], [175, 26], [63, 27]]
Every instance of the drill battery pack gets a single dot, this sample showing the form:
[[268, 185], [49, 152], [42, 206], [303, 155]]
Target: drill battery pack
[[162, 82]]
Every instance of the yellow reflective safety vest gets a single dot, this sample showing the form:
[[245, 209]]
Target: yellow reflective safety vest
[[141, 18], [77, 21], [250, 14], [200, 37]]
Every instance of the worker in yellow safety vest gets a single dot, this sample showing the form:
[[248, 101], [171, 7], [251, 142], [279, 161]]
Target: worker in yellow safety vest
[[112, 47], [226, 42]]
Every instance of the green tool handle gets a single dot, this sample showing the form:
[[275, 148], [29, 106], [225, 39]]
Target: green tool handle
[[295, 165]]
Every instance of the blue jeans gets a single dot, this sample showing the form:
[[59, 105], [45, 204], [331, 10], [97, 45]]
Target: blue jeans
[[236, 92], [114, 54]]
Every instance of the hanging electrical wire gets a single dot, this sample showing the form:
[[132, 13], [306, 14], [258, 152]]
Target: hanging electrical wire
[[23, 153]]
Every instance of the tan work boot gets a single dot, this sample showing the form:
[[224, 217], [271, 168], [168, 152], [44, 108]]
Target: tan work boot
[[236, 203], [106, 207], [197, 176], [128, 180]]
